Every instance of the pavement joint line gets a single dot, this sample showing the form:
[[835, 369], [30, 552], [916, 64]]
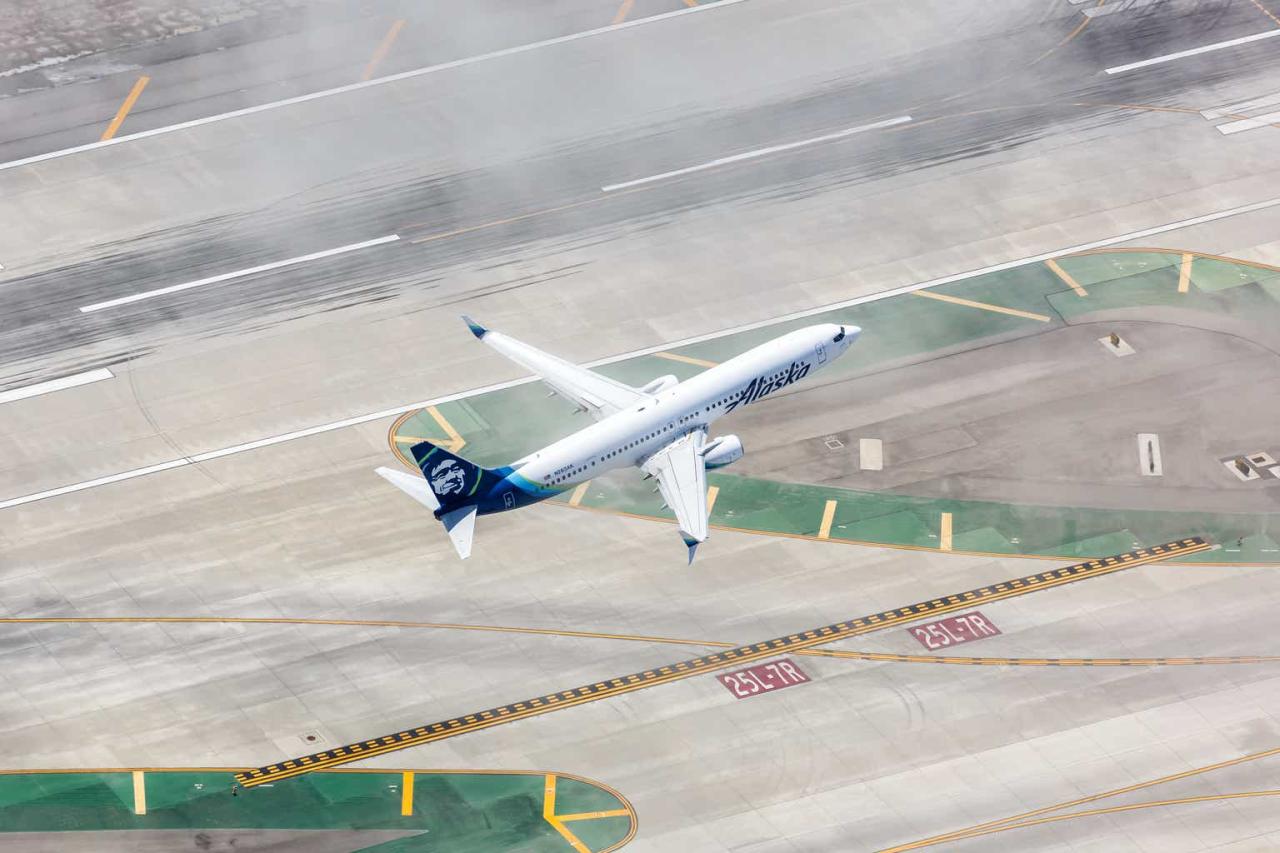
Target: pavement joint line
[[1066, 276], [757, 153], [378, 81], [1195, 51], [610, 687], [125, 107], [236, 274], [1081, 248], [383, 48], [985, 306], [73, 381]]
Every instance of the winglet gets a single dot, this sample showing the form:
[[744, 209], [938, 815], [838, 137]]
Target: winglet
[[476, 328], [692, 544]]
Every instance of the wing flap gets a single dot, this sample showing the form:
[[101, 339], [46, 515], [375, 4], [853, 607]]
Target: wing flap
[[682, 479]]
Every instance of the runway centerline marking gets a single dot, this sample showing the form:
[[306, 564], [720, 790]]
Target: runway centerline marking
[[759, 152], [1195, 51], [610, 687], [230, 276], [378, 81], [52, 385], [383, 48], [985, 306], [123, 112], [696, 339]]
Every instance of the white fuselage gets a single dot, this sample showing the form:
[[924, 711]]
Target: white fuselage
[[627, 438]]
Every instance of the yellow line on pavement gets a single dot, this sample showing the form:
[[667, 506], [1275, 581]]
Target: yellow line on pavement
[[691, 3], [384, 47], [549, 815], [129, 101], [944, 532], [1184, 274], [406, 793], [1093, 798], [592, 815], [1266, 12], [139, 792], [687, 359], [455, 442], [1066, 276], [623, 11], [828, 516], [713, 492], [579, 493], [969, 303]]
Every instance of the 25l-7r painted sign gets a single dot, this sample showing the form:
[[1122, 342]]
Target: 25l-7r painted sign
[[763, 678], [953, 631]]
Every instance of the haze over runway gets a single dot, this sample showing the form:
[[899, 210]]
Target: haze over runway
[[211, 320]]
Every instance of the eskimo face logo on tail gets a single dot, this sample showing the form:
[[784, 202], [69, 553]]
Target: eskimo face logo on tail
[[762, 385], [448, 478]]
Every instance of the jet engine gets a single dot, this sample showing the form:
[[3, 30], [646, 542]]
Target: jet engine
[[722, 451], [662, 383]]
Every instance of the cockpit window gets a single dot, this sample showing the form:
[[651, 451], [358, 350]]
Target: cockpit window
[[838, 338]]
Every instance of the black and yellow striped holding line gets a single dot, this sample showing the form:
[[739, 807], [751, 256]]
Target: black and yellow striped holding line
[[717, 660]]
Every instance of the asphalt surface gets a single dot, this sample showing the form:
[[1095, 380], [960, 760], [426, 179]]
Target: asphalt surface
[[491, 174]]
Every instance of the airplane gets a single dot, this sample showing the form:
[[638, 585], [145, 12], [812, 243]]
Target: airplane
[[660, 428]]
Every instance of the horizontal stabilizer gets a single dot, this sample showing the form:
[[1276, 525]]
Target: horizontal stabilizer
[[414, 487], [460, 524]]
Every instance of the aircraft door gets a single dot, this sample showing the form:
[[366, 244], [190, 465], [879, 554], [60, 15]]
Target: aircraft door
[[821, 352]]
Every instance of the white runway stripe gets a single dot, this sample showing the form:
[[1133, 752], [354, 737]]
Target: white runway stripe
[[1249, 123], [759, 152], [422, 404], [1195, 51], [391, 78], [55, 385], [228, 276]]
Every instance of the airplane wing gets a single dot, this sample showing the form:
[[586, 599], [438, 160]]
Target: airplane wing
[[682, 478], [591, 392]]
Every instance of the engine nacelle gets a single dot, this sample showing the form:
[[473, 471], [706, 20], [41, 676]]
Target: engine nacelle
[[662, 383], [722, 451]]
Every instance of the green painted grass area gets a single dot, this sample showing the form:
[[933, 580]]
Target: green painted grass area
[[457, 812], [897, 330]]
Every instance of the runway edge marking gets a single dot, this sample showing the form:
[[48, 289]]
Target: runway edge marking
[[610, 687]]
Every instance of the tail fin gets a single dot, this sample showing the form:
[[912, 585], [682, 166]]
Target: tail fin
[[455, 482]]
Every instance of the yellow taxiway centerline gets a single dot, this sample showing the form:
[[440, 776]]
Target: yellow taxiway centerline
[[384, 47], [1066, 276], [129, 101], [828, 516], [687, 359], [984, 306]]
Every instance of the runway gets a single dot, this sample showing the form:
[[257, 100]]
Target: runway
[[235, 313]]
